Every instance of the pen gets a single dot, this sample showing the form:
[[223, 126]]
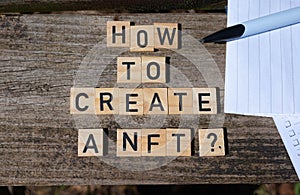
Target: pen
[[255, 26]]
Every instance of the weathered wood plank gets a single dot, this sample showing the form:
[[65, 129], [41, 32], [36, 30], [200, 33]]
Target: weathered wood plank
[[40, 58], [31, 6]]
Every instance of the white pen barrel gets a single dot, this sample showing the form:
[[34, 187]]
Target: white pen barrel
[[272, 22]]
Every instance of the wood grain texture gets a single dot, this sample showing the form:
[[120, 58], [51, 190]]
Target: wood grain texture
[[40, 58]]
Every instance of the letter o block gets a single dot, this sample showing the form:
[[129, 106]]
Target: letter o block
[[153, 69], [142, 38]]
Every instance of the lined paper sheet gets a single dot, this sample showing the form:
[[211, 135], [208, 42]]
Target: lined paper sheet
[[263, 71], [262, 74]]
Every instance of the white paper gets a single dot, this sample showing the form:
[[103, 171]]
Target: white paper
[[262, 75]]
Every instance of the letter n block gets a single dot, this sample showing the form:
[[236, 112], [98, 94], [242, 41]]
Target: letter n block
[[166, 35], [129, 70], [106, 101], [82, 101], [179, 142], [142, 38], [211, 142], [180, 100], [90, 142], [153, 69], [154, 142], [129, 142], [155, 100], [205, 100], [118, 33], [131, 101]]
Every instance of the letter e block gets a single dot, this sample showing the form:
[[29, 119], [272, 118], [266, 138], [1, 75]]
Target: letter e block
[[129, 142], [211, 142], [129, 70], [130, 101], [106, 101], [166, 35], [155, 100], [179, 142], [153, 69], [142, 38], [180, 100], [90, 142], [154, 142], [205, 100], [82, 101], [118, 33]]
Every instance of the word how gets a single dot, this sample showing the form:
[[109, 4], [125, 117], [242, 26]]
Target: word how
[[151, 142], [143, 37], [139, 101]]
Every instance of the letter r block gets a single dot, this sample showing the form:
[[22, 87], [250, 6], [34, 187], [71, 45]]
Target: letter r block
[[129, 142], [106, 101], [82, 101], [90, 142], [118, 33]]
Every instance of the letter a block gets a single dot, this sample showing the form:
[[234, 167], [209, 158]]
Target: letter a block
[[82, 101], [211, 142], [153, 142], [166, 35], [129, 70], [179, 142], [90, 142], [142, 38], [153, 69], [118, 34], [129, 142], [155, 100], [106, 101]]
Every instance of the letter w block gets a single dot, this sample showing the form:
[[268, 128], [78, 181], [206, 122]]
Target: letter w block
[[167, 35]]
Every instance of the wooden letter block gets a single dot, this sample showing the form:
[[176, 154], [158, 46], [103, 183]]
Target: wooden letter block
[[142, 38], [129, 70], [106, 101], [155, 100], [205, 100], [211, 142], [131, 101], [82, 101], [118, 33], [153, 142], [179, 142], [90, 142], [166, 35], [129, 142], [180, 100], [153, 69]]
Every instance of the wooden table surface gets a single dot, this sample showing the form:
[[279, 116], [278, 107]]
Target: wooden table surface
[[41, 55]]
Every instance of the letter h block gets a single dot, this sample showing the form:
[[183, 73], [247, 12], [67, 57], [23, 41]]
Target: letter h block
[[118, 33]]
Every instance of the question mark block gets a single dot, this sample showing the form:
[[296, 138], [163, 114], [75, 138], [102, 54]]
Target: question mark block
[[211, 142]]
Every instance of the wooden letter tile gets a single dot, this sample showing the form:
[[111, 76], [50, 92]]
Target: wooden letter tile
[[118, 33], [129, 142], [153, 69], [179, 142], [82, 101], [131, 101], [153, 142], [211, 142], [90, 142], [129, 70], [180, 100], [155, 100], [142, 38], [166, 35], [205, 100], [106, 101]]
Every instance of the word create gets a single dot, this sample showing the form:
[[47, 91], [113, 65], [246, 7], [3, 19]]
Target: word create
[[138, 101], [152, 142], [143, 37]]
